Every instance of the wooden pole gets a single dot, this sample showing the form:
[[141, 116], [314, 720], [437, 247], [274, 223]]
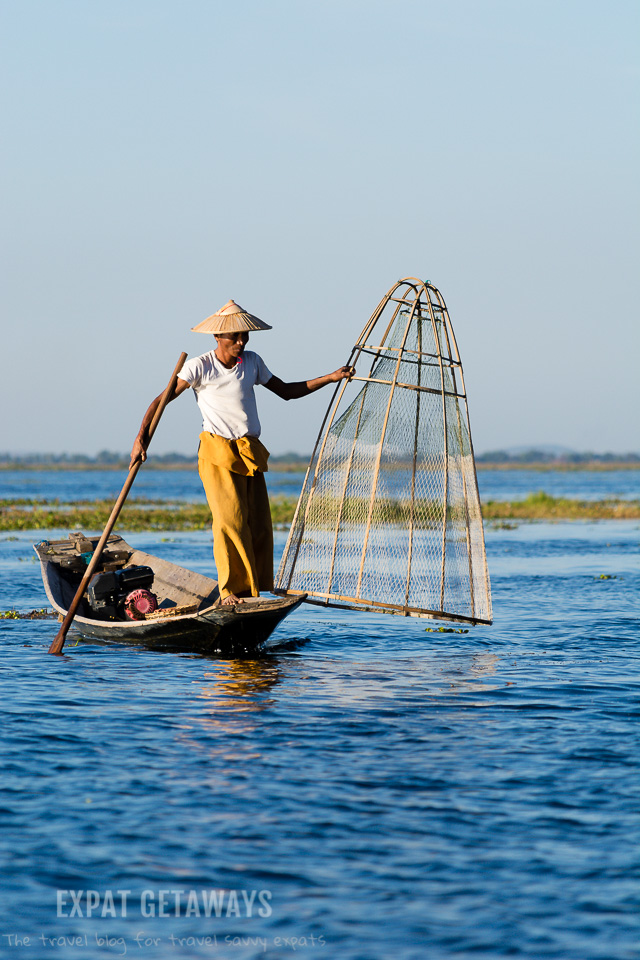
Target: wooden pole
[[323, 436], [344, 491], [476, 497], [339, 390], [447, 326], [416, 433], [381, 447], [58, 643], [436, 336]]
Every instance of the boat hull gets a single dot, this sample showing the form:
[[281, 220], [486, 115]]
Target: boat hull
[[206, 627]]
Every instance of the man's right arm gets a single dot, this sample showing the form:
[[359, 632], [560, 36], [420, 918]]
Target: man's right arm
[[139, 450]]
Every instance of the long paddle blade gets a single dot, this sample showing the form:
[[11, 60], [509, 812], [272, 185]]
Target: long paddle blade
[[58, 643]]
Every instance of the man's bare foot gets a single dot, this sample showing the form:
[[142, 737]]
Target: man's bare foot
[[231, 599]]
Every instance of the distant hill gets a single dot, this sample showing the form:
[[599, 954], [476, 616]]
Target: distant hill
[[553, 455]]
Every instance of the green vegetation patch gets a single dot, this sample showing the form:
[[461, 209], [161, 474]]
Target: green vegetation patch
[[142, 514], [541, 506], [42, 614], [136, 515]]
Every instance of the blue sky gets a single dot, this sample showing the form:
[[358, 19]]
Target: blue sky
[[162, 157]]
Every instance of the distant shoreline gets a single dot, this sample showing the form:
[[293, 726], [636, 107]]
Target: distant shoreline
[[300, 466]]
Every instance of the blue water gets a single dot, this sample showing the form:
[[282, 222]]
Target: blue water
[[581, 484], [69, 485], [387, 791]]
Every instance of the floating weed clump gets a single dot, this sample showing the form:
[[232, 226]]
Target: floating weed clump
[[142, 514], [42, 614], [443, 630], [542, 506], [136, 515]]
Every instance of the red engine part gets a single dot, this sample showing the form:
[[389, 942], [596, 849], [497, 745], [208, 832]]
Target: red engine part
[[139, 603]]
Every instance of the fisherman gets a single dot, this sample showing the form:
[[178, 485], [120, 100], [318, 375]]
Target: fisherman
[[231, 460]]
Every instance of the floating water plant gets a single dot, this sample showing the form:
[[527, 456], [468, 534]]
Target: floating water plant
[[42, 614]]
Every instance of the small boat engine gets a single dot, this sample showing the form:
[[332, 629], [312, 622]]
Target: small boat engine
[[139, 603], [122, 594]]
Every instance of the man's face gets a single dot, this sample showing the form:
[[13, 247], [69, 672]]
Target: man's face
[[232, 344]]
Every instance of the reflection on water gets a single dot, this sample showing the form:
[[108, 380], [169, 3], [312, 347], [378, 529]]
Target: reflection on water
[[240, 685]]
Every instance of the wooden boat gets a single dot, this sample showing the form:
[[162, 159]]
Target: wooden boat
[[189, 615]]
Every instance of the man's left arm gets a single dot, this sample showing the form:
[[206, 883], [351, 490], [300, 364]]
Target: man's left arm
[[293, 391]]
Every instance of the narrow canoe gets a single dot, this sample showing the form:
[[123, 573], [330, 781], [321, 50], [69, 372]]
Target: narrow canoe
[[189, 617]]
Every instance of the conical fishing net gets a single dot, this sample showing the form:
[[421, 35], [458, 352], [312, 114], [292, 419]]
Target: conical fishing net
[[389, 516]]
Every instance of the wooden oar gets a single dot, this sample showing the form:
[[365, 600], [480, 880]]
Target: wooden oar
[[58, 643]]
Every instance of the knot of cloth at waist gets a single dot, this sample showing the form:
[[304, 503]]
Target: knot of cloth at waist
[[245, 456]]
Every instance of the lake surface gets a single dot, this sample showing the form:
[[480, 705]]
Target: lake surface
[[369, 790], [69, 485]]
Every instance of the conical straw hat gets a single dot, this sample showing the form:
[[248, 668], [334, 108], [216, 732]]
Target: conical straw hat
[[231, 318]]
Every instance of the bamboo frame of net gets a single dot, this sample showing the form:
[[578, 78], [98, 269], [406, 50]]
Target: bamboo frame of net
[[389, 515]]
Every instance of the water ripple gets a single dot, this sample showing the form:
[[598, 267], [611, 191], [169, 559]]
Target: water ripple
[[398, 793]]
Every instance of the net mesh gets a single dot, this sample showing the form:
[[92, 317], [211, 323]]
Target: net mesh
[[389, 515]]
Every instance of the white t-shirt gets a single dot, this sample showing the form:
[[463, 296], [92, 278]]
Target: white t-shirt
[[225, 397]]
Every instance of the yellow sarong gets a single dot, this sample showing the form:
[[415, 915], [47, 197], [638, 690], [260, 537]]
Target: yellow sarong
[[232, 474]]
